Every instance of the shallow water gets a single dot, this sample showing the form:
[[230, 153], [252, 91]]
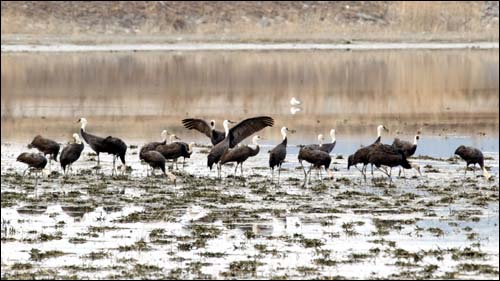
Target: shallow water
[[438, 225], [250, 228]]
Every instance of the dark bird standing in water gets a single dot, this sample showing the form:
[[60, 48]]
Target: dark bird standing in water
[[46, 146], [235, 135], [71, 153], [35, 161], [317, 158], [110, 145], [240, 154], [277, 155], [408, 148], [156, 160], [386, 155], [361, 155], [473, 156], [326, 147]]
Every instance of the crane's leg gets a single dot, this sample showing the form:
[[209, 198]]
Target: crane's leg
[[272, 175], [113, 171], [25, 171], [279, 173], [474, 170], [241, 168], [309, 173], [320, 177], [98, 159], [466, 167], [304, 169], [235, 170]]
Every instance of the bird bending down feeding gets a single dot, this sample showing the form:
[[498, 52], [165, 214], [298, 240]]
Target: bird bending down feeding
[[46, 146], [71, 153], [386, 155], [35, 161], [294, 101], [408, 148], [277, 155], [317, 158], [110, 145], [205, 128], [152, 146], [361, 155], [240, 154], [156, 160], [235, 135], [474, 156]]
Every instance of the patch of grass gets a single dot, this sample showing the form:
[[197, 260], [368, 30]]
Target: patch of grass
[[21, 266], [311, 243], [140, 245], [466, 253], [37, 255], [96, 255]]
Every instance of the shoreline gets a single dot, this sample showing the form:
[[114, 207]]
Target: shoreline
[[360, 46]]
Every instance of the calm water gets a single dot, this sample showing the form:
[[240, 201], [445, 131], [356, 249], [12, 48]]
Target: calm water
[[135, 95]]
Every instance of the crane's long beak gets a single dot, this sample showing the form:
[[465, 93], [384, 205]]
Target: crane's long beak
[[231, 121], [177, 138], [292, 131], [77, 121]]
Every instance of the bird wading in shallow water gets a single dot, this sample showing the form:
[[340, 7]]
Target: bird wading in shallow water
[[110, 145], [235, 135], [473, 156]]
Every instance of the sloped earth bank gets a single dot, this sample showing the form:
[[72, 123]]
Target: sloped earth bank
[[438, 225]]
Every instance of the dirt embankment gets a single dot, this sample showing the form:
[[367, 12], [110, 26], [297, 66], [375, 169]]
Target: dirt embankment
[[163, 21]]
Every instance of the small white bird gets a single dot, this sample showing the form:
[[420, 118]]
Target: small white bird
[[294, 110], [294, 101]]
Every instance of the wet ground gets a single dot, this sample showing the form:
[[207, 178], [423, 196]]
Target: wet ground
[[93, 225]]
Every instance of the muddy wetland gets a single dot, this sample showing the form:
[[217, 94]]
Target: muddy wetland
[[91, 224]]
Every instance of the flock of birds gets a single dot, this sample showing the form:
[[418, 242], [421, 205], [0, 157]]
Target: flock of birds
[[226, 149]]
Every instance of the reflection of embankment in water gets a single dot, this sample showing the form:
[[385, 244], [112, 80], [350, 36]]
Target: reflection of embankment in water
[[249, 83], [143, 128]]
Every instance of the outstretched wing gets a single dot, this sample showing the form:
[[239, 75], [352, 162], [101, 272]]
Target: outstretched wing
[[248, 127], [199, 125]]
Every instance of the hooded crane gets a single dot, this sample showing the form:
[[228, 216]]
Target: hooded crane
[[326, 147], [110, 145], [71, 153], [205, 128], [407, 147], [174, 150], [361, 155], [235, 135], [156, 160], [152, 145], [46, 146], [277, 155], [474, 156], [317, 158], [35, 161], [240, 154], [386, 155]]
